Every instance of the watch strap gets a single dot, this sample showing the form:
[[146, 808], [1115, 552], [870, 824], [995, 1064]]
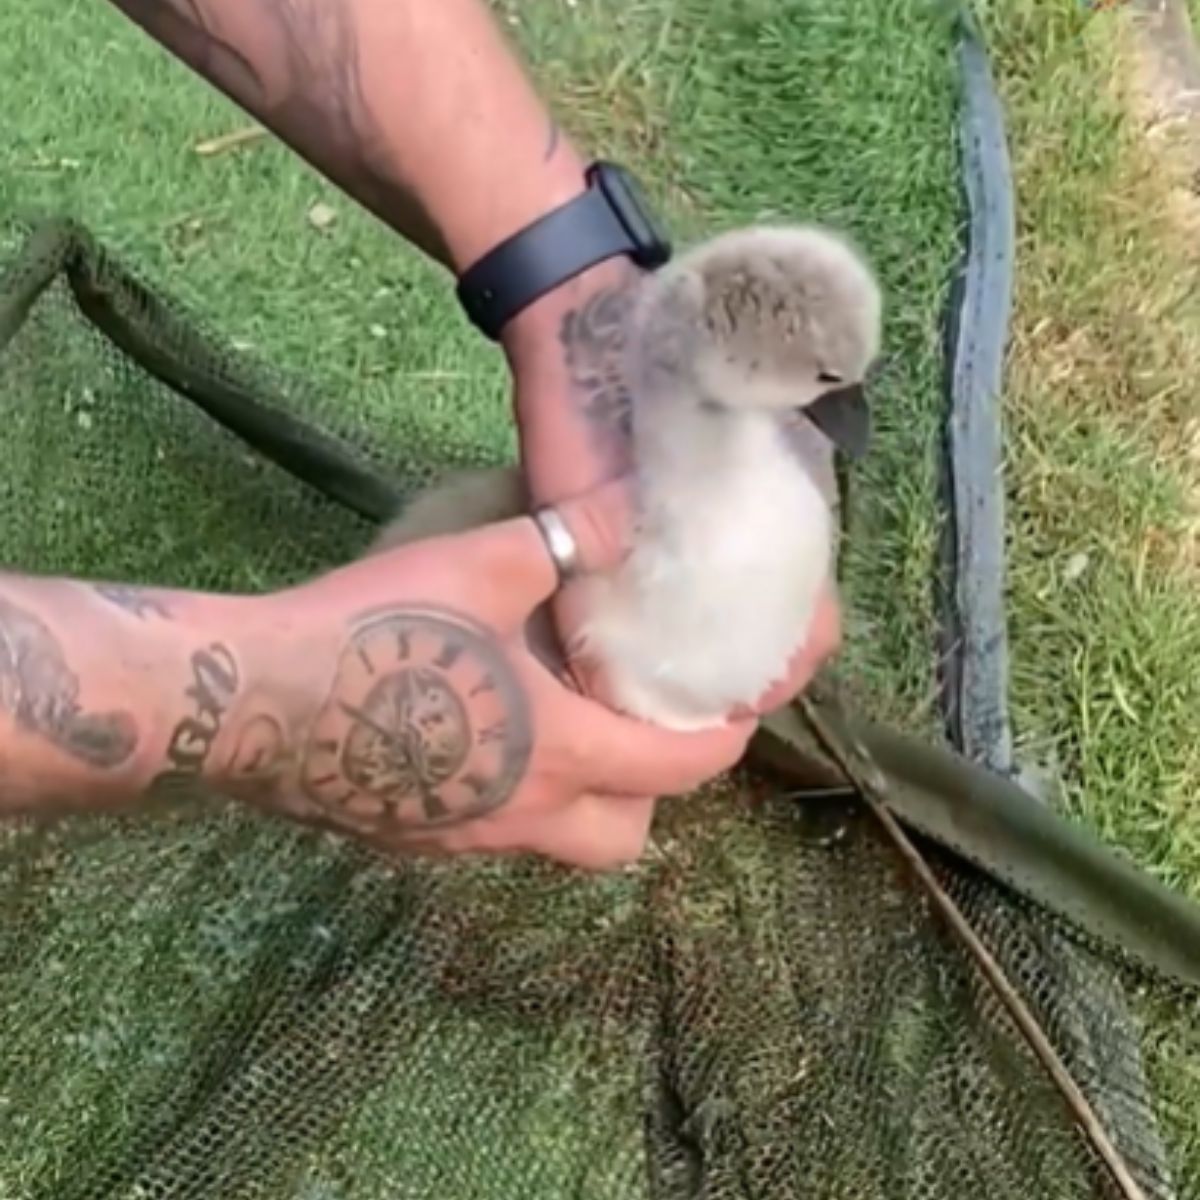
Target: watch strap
[[557, 247]]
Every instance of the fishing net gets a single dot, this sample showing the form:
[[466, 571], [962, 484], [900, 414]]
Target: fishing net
[[198, 1002]]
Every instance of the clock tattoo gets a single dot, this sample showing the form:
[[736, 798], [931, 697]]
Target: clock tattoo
[[426, 725]]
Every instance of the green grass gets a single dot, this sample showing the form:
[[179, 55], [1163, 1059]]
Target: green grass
[[787, 108], [1103, 474]]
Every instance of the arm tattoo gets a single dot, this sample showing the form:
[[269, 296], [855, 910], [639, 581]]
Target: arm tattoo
[[41, 694], [594, 339], [182, 25], [135, 601], [259, 748], [426, 725], [215, 683], [304, 82]]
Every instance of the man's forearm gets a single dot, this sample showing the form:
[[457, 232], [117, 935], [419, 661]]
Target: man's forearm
[[422, 111], [109, 693], [419, 110]]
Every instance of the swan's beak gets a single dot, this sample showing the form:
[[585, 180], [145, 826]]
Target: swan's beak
[[844, 418]]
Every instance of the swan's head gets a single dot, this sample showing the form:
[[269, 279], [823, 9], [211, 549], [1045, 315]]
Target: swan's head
[[767, 318]]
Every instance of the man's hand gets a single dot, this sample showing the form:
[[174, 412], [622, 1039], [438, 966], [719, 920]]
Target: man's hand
[[435, 728], [396, 700]]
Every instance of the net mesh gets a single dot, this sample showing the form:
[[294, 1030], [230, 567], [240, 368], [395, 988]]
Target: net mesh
[[203, 1003]]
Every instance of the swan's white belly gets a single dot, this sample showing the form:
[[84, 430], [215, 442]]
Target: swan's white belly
[[720, 588]]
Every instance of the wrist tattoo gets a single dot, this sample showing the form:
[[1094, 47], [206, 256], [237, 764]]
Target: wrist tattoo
[[215, 683], [41, 694], [594, 338], [426, 725], [133, 600]]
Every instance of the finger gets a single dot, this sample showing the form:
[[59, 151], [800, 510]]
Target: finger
[[591, 831], [624, 756], [516, 560], [598, 833]]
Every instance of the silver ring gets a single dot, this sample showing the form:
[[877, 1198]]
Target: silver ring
[[560, 542]]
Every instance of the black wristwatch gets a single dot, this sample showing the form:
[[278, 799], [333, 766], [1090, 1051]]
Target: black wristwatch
[[610, 218]]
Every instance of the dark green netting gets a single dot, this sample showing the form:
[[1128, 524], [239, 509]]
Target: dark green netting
[[205, 1004]]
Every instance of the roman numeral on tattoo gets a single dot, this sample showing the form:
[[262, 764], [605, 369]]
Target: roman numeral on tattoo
[[486, 684], [403, 645], [493, 733], [450, 653], [365, 660], [476, 783]]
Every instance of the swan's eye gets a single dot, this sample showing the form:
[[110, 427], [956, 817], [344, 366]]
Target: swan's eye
[[828, 377]]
